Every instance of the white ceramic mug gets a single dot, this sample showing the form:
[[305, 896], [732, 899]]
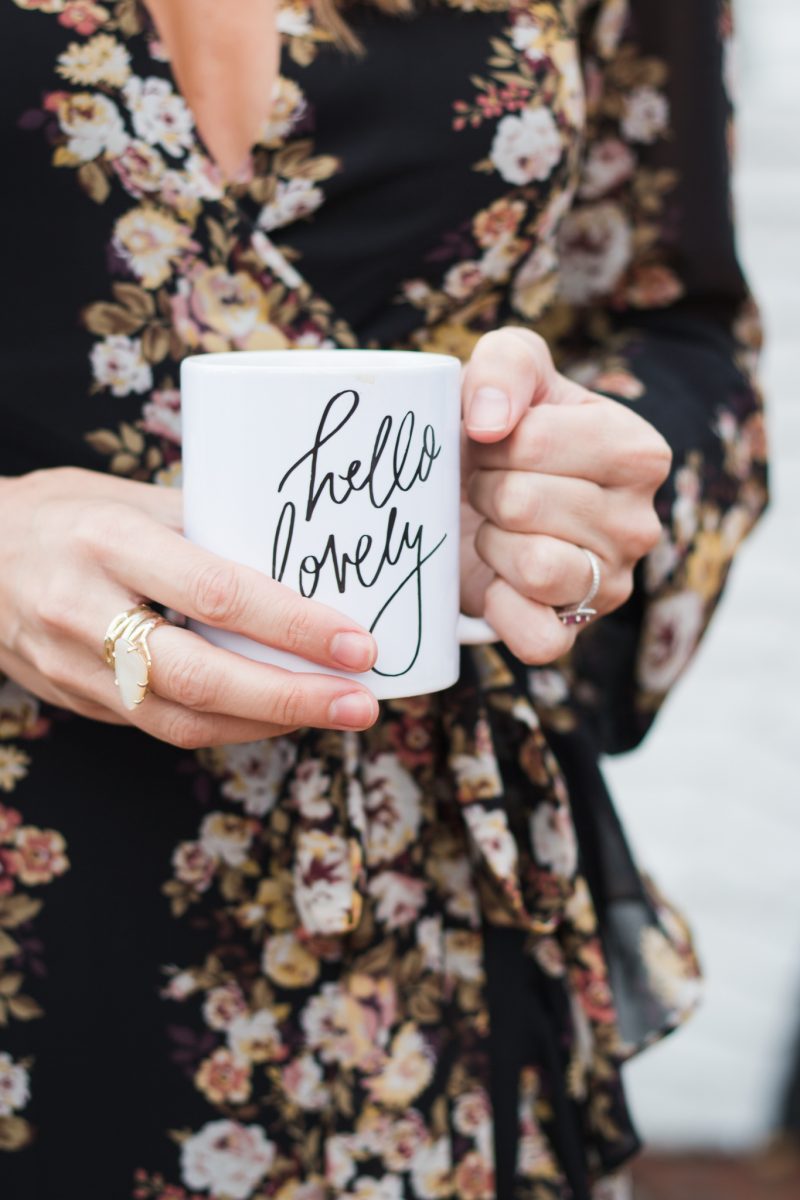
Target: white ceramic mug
[[336, 472]]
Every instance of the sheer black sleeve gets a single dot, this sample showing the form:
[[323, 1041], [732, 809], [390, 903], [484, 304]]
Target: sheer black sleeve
[[654, 311]]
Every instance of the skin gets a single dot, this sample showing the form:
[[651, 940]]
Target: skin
[[548, 467], [558, 467], [225, 58]]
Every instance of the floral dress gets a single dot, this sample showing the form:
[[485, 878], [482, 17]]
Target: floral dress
[[406, 964]]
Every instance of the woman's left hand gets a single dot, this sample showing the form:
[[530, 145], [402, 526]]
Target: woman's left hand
[[549, 467]]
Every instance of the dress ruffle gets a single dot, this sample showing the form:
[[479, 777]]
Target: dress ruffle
[[551, 868]]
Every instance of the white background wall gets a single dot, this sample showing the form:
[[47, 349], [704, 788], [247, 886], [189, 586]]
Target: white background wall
[[712, 799]]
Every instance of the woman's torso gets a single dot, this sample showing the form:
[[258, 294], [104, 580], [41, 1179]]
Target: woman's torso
[[375, 182]]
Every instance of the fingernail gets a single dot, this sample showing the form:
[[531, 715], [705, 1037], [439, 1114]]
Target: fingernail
[[355, 709], [356, 651], [489, 410]]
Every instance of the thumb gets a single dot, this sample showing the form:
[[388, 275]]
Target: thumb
[[509, 370]]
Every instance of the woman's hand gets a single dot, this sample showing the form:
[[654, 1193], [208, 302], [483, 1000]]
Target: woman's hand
[[78, 547], [549, 467]]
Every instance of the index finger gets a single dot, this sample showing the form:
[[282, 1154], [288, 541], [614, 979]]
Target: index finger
[[600, 441], [162, 565]]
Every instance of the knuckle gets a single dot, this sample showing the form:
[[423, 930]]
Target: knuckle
[[638, 534], [297, 627], [649, 534], [188, 682], [496, 339], [538, 566], [515, 348], [495, 610], [53, 607], [530, 335], [216, 593], [656, 460], [56, 668], [184, 730], [618, 590], [94, 527], [482, 542], [513, 499], [546, 643], [555, 640], [289, 705], [532, 343], [550, 566], [526, 564], [535, 439]]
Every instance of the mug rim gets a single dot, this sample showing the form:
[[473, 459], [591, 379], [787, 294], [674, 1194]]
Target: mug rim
[[321, 360]]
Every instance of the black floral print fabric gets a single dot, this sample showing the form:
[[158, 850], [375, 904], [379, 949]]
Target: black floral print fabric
[[408, 964]]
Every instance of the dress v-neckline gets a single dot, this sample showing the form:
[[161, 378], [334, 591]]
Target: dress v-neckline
[[150, 34], [231, 192]]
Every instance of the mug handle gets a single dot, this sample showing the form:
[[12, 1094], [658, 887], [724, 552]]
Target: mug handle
[[474, 631]]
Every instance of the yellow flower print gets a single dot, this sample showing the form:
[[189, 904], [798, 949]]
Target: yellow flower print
[[225, 310], [14, 765], [171, 476], [287, 104], [474, 1177], [707, 563], [448, 337], [580, 909], [462, 955], [287, 962], [193, 866], [611, 25], [93, 126], [479, 5], [492, 836], [671, 975], [151, 242], [571, 95], [271, 904], [313, 1188], [223, 1005], [324, 871], [431, 1169], [223, 1078], [38, 855], [393, 808], [255, 1037], [19, 710], [226, 837], [45, 6], [140, 168], [302, 1080], [452, 871], [349, 1023], [408, 1070], [100, 60], [119, 364], [500, 219]]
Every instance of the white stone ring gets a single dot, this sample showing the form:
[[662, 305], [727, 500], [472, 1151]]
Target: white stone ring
[[128, 654], [581, 614]]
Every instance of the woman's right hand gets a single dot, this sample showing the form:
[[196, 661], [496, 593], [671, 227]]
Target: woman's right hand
[[77, 547]]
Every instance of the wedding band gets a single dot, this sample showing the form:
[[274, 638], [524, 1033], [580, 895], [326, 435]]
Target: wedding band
[[581, 614], [127, 653]]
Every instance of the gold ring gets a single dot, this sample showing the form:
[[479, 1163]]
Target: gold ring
[[127, 653]]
